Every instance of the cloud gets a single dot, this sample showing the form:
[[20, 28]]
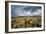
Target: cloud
[[37, 12], [26, 11]]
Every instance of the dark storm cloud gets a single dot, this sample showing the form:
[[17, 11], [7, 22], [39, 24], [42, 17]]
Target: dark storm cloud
[[32, 8]]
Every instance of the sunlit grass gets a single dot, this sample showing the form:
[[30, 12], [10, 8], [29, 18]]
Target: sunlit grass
[[26, 22]]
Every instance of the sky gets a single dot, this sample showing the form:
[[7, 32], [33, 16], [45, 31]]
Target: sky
[[19, 10]]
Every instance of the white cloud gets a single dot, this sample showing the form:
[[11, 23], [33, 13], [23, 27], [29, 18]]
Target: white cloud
[[21, 12], [37, 12], [28, 13]]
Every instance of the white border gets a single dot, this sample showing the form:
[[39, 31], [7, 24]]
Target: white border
[[25, 29]]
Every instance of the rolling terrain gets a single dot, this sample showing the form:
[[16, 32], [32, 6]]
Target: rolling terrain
[[26, 22]]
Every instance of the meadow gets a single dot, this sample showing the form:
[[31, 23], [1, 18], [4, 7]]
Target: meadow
[[26, 22]]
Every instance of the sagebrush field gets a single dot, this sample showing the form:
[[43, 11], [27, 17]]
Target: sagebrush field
[[26, 22]]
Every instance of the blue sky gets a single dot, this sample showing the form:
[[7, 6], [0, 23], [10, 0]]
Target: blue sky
[[19, 10]]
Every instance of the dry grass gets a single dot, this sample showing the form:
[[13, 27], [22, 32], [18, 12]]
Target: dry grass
[[22, 22]]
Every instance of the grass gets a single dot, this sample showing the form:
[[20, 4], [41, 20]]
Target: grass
[[26, 22]]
